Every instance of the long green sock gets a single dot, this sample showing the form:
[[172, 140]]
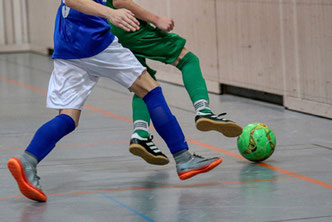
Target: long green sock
[[193, 80], [141, 117]]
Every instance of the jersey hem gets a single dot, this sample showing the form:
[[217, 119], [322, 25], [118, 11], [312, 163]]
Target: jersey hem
[[56, 56]]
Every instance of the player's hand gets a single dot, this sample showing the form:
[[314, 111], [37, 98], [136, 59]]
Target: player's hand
[[124, 19], [164, 23]]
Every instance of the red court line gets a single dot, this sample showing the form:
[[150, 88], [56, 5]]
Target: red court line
[[107, 113], [308, 179], [4, 79], [71, 145], [159, 187]]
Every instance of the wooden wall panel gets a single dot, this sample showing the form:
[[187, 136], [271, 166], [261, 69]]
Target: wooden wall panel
[[314, 19], [13, 25], [195, 21], [308, 51], [9, 22], [41, 23], [249, 44], [2, 23]]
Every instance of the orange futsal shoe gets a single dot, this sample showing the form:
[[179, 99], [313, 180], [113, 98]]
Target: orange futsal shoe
[[196, 165], [26, 177]]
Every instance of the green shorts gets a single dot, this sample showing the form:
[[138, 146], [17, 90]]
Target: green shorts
[[152, 43]]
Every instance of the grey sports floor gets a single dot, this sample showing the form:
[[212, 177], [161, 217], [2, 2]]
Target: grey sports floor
[[91, 176]]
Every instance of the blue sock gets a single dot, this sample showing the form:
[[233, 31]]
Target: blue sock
[[49, 134], [164, 122]]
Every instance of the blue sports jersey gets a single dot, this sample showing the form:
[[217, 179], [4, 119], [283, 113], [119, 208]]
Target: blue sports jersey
[[78, 35]]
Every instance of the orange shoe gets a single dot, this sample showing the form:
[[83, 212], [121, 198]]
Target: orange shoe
[[26, 177], [196, 165]]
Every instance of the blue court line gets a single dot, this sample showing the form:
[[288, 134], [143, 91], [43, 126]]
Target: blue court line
[[127, 207]]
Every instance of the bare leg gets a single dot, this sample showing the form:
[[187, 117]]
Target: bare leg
[[144, 84], [182, 54], [73, 113]]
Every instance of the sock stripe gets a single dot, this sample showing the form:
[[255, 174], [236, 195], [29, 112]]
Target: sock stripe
[[141, 125], [201, 104]]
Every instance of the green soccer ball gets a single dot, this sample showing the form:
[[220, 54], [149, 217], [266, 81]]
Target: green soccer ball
[[257, 142]]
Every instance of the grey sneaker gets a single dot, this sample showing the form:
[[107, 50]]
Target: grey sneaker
[[25, 174], [196, 165]]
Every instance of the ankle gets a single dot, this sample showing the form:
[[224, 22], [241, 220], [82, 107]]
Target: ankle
[[30, 158], [182, 156], [142, 133]]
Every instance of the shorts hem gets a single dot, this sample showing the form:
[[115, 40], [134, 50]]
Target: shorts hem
[[178, 52], [62, 107]]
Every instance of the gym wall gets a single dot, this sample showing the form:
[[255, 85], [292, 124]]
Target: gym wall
[[283, 47]]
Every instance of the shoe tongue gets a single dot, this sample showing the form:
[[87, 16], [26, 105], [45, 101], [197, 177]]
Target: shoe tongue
[[183, 156], [30, 158], [136, 136]]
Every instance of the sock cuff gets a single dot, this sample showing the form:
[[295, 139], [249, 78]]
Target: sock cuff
[[141, 125], [68, 120], [153, 92], [187, 58]]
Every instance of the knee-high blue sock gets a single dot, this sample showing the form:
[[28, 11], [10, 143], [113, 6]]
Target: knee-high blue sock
[[164, 122], [49, 134]]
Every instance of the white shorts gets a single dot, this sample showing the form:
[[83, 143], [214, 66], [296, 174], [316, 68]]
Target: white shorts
[[72, 80]]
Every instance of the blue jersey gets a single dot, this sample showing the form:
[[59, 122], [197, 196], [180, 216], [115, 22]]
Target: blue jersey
[[78, 35]]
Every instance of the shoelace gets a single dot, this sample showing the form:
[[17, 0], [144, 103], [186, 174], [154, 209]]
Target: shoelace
[[196, 155], [150, 138], [219, 116], [36, 177]]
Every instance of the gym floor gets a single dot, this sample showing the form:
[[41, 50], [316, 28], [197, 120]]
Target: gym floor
[[91, 176]]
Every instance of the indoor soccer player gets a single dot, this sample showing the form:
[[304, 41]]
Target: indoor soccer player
[[84, 51], [157, 43]]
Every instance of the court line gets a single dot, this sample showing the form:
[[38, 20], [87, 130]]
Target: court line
[[127, 207], [92, 108], [266, 165], [75, 145], [159, 187], [70, 145], [308, 179]]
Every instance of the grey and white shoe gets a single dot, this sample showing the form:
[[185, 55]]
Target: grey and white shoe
[[23, 169], [195, 164]]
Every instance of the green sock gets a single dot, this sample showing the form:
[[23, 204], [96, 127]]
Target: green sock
[[141, 117], [192, 78]]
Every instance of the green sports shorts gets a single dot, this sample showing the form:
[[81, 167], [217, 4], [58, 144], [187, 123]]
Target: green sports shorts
[[152, 43]]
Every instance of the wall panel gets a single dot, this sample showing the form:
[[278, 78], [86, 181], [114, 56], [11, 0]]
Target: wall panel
[[249, 44], [195, 20], [41, 23], [13, 25], [308, 48], [2, 23]]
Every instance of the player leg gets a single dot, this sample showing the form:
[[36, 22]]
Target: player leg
[[119, 64], [68, 99], [169, 48], [141, 142], [187, 164], [188, 64]]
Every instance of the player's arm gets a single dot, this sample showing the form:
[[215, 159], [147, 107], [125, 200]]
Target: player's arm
[[122, 18], [163, 23]]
